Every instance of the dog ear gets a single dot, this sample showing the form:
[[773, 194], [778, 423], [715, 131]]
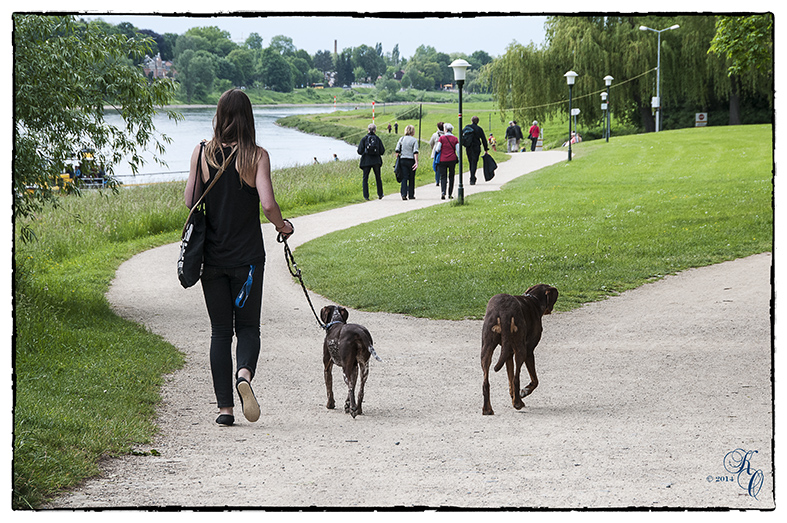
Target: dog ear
[[551, 296], [343, 312], [325, 313]]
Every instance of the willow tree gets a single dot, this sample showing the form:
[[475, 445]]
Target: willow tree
[[529, 81]]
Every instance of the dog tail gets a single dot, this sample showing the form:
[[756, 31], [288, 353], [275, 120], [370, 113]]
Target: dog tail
[[371, 349], [505, 345]]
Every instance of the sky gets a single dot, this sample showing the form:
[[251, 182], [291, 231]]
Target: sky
[[317, 31]]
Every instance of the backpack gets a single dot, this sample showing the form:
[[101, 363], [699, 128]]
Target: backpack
[[372, 145], [468, 136]]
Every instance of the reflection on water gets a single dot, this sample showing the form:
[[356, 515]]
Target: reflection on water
[[287, 147]]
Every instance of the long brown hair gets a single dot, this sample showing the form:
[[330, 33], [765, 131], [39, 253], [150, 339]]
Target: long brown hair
[[234, 124]]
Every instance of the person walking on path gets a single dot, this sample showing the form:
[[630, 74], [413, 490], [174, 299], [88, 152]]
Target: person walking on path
[[534, 133], [407, 151], [448, 147], [511, 137], [234, 255], [436, 157], [518, 134], [371, 150], [474, 148]]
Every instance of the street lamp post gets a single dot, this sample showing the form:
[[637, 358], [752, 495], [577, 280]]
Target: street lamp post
[[570, 77], [608, 80], [604, 113], [460, 70], [657, 101]]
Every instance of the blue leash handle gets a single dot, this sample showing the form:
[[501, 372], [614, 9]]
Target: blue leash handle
[[240, 301]]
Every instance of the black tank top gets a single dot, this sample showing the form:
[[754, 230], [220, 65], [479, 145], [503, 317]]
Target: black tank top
[[234, 235]]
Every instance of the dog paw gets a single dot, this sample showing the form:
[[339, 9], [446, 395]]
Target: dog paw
[[488, 412], [330, 405]]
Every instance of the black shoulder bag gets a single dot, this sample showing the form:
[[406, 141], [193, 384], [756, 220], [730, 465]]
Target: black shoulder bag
[[192, 240]]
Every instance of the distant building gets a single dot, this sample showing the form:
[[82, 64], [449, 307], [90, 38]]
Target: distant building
[[156, 67]]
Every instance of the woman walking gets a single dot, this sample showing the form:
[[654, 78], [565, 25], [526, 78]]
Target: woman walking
[[234, 255], [371, 150], [407, 150], [448, 147]]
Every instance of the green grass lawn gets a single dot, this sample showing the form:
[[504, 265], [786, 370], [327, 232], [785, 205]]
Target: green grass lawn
[[620, 214]]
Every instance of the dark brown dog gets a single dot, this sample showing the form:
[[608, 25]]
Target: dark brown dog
[[349, 347], [514, 323]]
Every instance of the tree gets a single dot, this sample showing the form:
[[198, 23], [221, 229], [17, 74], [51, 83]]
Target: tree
[[64, 76], [196, 72], [218, 41], [167, 46], [244, 64], [300, 70], [276, 71], [323, 61], [344, 68], [369, 60], [386, 89], [479, 59], [746, 43], [282, 45], [395, 56], [226, 70], [254, 42]]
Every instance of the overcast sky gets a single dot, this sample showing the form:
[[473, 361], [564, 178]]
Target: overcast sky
[[316, 32]]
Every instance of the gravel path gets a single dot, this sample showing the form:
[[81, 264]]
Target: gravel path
[[641, 397]]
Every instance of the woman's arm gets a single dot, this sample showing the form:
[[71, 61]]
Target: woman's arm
[[267, 199], [192, 180]]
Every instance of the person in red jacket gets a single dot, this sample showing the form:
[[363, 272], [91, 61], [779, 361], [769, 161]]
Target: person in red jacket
[[535, 132], [447, 146]]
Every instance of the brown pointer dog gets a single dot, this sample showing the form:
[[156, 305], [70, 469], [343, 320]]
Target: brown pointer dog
[[349, 347], [514, 323]]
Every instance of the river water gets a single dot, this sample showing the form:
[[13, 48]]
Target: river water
[[287, 147]]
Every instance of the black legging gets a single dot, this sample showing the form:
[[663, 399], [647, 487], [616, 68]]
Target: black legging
[[473, 153], [447, 172], [377, 178], [408, 177], [221, 287]]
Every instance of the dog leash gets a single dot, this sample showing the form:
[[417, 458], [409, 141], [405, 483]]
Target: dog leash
[[296, 272], [240, 301]]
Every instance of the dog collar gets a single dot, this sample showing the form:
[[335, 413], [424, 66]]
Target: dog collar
[[332, 324]]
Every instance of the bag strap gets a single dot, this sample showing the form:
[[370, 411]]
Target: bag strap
[[199, 177]]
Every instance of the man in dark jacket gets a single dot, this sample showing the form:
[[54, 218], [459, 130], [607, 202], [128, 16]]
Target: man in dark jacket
[[474, 149], [519, 136], [511, 137], [371, 150]]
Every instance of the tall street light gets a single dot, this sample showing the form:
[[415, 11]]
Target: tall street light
[[460, 71], [570, 77], [608, 80], [657, 100]]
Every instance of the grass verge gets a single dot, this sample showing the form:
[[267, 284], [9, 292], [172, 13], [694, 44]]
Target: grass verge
[[619, 215], [87, 382]]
